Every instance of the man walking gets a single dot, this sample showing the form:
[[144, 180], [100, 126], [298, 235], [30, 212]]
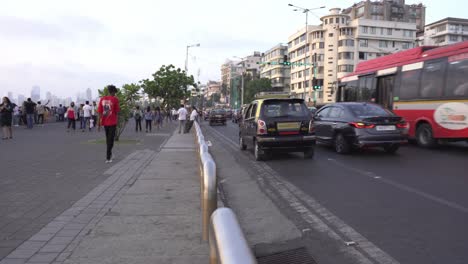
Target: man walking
[[87, 113], [30, 109], [40, 113], [61, 113], [108, 108], [182, 112], [94, 113], [193, 117]]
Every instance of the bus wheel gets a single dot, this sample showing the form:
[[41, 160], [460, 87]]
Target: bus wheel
[[424, 136]]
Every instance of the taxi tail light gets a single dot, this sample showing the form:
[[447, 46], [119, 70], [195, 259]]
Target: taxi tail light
[[261, 127], [361, 125], [311, 127], [403, 124]]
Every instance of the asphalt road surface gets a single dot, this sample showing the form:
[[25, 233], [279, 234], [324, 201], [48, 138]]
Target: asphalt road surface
[[412, 206]]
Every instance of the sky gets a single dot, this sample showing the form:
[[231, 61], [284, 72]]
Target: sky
[[68, 46]]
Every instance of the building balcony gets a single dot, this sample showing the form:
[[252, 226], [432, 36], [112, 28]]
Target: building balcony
[[346, 49]]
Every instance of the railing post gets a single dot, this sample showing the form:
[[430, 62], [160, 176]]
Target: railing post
[[210, 201], [227, 242]]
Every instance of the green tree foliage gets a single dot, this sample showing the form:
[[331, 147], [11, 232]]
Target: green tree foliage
[[169, 84], [127, 95], [256, 86]]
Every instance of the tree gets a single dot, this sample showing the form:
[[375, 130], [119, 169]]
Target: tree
[[127, 96], [224, 89], [169, 84], [256, 86]]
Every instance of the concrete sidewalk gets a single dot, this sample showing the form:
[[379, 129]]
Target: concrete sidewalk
[[158, 219]]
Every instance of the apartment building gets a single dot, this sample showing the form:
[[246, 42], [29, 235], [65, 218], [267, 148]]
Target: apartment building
[[272, 67], [336, 46], [213, 87], [389, 10], [447, 31]]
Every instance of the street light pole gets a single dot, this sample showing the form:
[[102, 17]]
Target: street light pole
[[186, 55]]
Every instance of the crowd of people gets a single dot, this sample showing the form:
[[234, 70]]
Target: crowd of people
[[156, 116]]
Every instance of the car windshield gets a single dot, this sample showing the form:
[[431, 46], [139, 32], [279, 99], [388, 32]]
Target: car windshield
[[219, 111], [284, 108], [367, 110]]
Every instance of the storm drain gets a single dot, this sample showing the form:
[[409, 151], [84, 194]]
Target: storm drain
[[295, 256]]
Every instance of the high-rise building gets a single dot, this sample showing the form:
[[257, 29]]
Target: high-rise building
[[389, 10], [272, 67], [10, 96], [336, 46], [36, 93], [89, 95], [447, 31], [21, 99]]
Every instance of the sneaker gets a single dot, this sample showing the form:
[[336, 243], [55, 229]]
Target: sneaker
[[107, 161], [110, 161]]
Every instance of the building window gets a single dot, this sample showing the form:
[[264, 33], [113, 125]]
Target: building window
[[346, 68], [453, 38], [337, 20], [342, 20], [346, 55], [373, 30], [299, 85], [303, 37], [314, 46], [321, 45], [292, 86], [326, 21], [365, 29], [407, 33], [330, 35], [381, 31], [360, 11], [389, 31], [439, 39], [363, 55], [290, 44], [453, 27], [363, 43], [405, 45], [383, 44], [346, 42], [441, 28]]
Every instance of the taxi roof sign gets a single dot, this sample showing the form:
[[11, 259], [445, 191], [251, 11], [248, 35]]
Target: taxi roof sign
[[265, 95]]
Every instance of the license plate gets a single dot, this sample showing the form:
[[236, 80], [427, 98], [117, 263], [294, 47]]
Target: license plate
[[385, 128], [219, 116], [288, 126]]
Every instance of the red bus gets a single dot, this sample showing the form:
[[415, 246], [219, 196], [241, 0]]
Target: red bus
[[427, 86]]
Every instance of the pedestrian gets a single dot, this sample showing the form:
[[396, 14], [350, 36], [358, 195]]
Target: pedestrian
[[61, 113], [108, 109], [94, 113], [6, 117], [81, 118], [72, 115], [30, 109], [158, 118], [137, 114], [182, 112], [193, 117], [16, 116], [148, 118], [87, 113]]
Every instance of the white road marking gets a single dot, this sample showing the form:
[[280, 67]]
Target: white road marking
[[301, 202], [406, 188]]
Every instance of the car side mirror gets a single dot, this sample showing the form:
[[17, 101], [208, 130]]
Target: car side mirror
[[317, 117]]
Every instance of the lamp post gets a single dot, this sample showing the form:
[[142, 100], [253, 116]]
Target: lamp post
[[306, 11], [186, 55], [242, 80]]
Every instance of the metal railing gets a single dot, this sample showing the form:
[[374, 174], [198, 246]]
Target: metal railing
[[220, 226]]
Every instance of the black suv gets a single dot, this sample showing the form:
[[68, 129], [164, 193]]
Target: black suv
[[277, 125]]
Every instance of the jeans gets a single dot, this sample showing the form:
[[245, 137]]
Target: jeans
[[72, 123], [16, 119], [82, 123], [30, 120], [86, 122], [110, 137], [181, 125], [138, 124], [148, 124]]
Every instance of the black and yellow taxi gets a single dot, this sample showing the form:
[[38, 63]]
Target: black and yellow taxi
[[274, 122]]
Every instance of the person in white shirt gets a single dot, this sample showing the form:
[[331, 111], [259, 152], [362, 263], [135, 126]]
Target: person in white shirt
[[193, 117], [87, 114], [182, 112]]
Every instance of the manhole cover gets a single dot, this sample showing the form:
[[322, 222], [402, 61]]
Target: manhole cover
[[295, 256]]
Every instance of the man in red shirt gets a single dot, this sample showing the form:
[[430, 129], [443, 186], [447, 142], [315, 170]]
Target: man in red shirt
[[108, 108]]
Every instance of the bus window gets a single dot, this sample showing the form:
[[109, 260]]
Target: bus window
[[432, 81], [351, 91], [457, 79], [409, 87], [366, 90]]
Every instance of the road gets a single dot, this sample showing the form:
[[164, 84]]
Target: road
[[411, 207], [46, 170]]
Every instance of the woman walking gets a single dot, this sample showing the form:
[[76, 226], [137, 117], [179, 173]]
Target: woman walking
[[138, 116], [158, 117], [148, 118], [71, 116], [6, 117]]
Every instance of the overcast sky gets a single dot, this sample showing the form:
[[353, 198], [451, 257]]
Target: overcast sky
[[66, 46]]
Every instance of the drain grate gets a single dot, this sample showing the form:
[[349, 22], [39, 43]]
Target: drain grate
[[295, 256]]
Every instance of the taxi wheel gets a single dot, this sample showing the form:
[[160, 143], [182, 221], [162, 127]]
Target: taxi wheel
[[341, 146], [242, 145], [258, 156], [308, 154]]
